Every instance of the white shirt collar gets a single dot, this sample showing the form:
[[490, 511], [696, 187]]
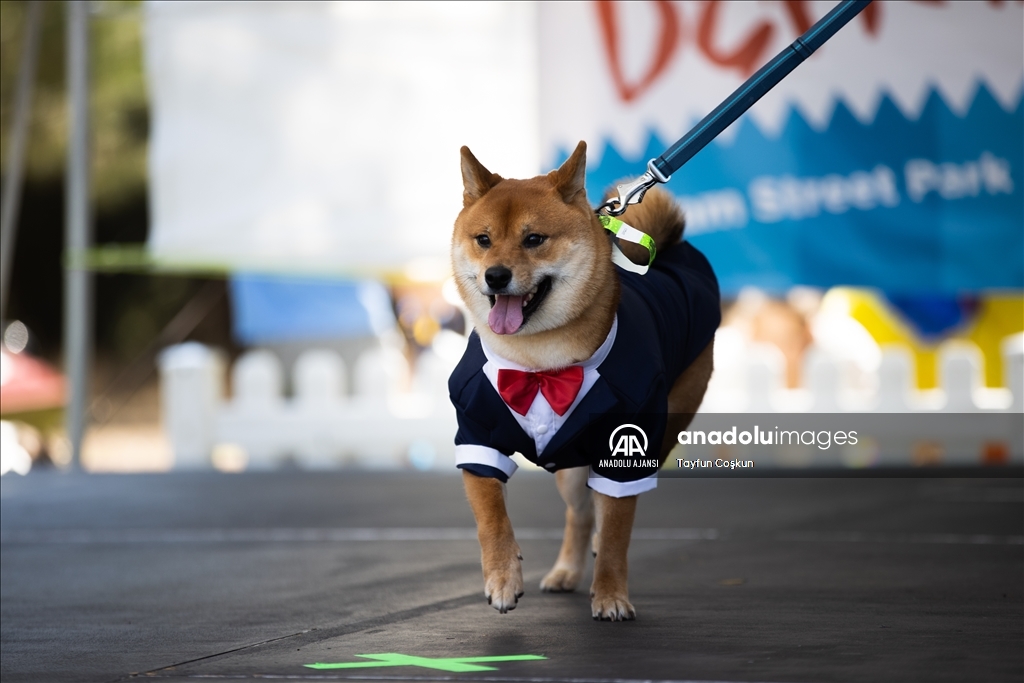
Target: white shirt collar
[[541, 423], [591, 363]]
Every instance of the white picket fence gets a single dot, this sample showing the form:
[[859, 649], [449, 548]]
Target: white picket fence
[[391, 420], [749, 378], [388, 420]]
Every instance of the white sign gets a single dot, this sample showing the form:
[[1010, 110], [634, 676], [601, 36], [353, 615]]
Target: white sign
[[309, 136]]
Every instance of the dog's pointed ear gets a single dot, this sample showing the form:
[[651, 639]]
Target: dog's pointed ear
[[476, 180], [570, 178]]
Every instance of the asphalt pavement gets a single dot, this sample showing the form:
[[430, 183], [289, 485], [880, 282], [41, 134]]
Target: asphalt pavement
[[209, 576]]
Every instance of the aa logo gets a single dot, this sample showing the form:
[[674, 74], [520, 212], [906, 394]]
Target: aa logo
[[628, 440]]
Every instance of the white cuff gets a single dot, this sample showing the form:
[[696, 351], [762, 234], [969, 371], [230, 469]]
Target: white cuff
[[621, 489], [470, 454]]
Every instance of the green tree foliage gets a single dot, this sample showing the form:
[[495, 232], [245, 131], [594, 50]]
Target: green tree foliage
[[118, 107]]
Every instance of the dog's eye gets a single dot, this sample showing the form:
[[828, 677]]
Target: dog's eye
[[483, 240], [534, 240]]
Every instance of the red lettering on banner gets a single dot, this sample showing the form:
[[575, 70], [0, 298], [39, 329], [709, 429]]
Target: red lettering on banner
[[745, 57], [668, 38], [872, 17], [798, 13]]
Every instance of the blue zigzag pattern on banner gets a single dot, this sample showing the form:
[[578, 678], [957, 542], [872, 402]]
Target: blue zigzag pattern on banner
[[932, 205]]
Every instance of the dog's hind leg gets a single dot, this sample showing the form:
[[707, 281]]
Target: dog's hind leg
[[610, 591], [579, 520], [502, 562]]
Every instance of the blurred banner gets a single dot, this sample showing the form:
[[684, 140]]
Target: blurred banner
[[324, 137], [308, 136], [892, 158]]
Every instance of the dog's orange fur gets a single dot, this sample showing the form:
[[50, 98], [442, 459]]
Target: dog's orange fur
[[575, 319], [567, 328]]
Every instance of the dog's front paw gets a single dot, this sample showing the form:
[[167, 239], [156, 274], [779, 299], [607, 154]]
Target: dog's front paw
[[503, 581], [612, 607], [561, 579]]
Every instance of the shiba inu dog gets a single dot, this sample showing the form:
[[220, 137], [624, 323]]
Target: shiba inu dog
[[562, 335]]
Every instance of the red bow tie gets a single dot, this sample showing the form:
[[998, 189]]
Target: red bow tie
[[559, 387]]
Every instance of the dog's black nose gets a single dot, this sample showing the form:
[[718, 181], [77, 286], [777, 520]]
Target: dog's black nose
[[498, 277]]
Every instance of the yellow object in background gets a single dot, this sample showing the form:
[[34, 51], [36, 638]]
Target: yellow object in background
[[999, 315]]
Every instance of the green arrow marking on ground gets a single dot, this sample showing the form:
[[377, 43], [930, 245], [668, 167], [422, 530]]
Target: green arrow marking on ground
[[453, 664]]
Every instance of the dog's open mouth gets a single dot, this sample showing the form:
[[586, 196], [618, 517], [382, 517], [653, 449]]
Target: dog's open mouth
[[510, 312]]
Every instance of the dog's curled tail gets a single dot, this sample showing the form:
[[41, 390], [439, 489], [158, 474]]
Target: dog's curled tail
[[660, 216]]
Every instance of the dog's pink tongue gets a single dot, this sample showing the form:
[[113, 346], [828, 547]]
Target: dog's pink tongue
[[506, 315]]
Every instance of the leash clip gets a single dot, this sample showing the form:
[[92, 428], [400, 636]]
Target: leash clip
[[633, 193]]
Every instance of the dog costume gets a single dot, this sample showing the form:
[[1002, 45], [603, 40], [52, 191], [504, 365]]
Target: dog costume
[[665, 318]]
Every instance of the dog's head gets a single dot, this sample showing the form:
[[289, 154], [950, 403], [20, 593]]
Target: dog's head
[[526, 253]]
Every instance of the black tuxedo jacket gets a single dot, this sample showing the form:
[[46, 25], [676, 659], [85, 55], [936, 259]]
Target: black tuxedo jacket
[[666, 318]]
